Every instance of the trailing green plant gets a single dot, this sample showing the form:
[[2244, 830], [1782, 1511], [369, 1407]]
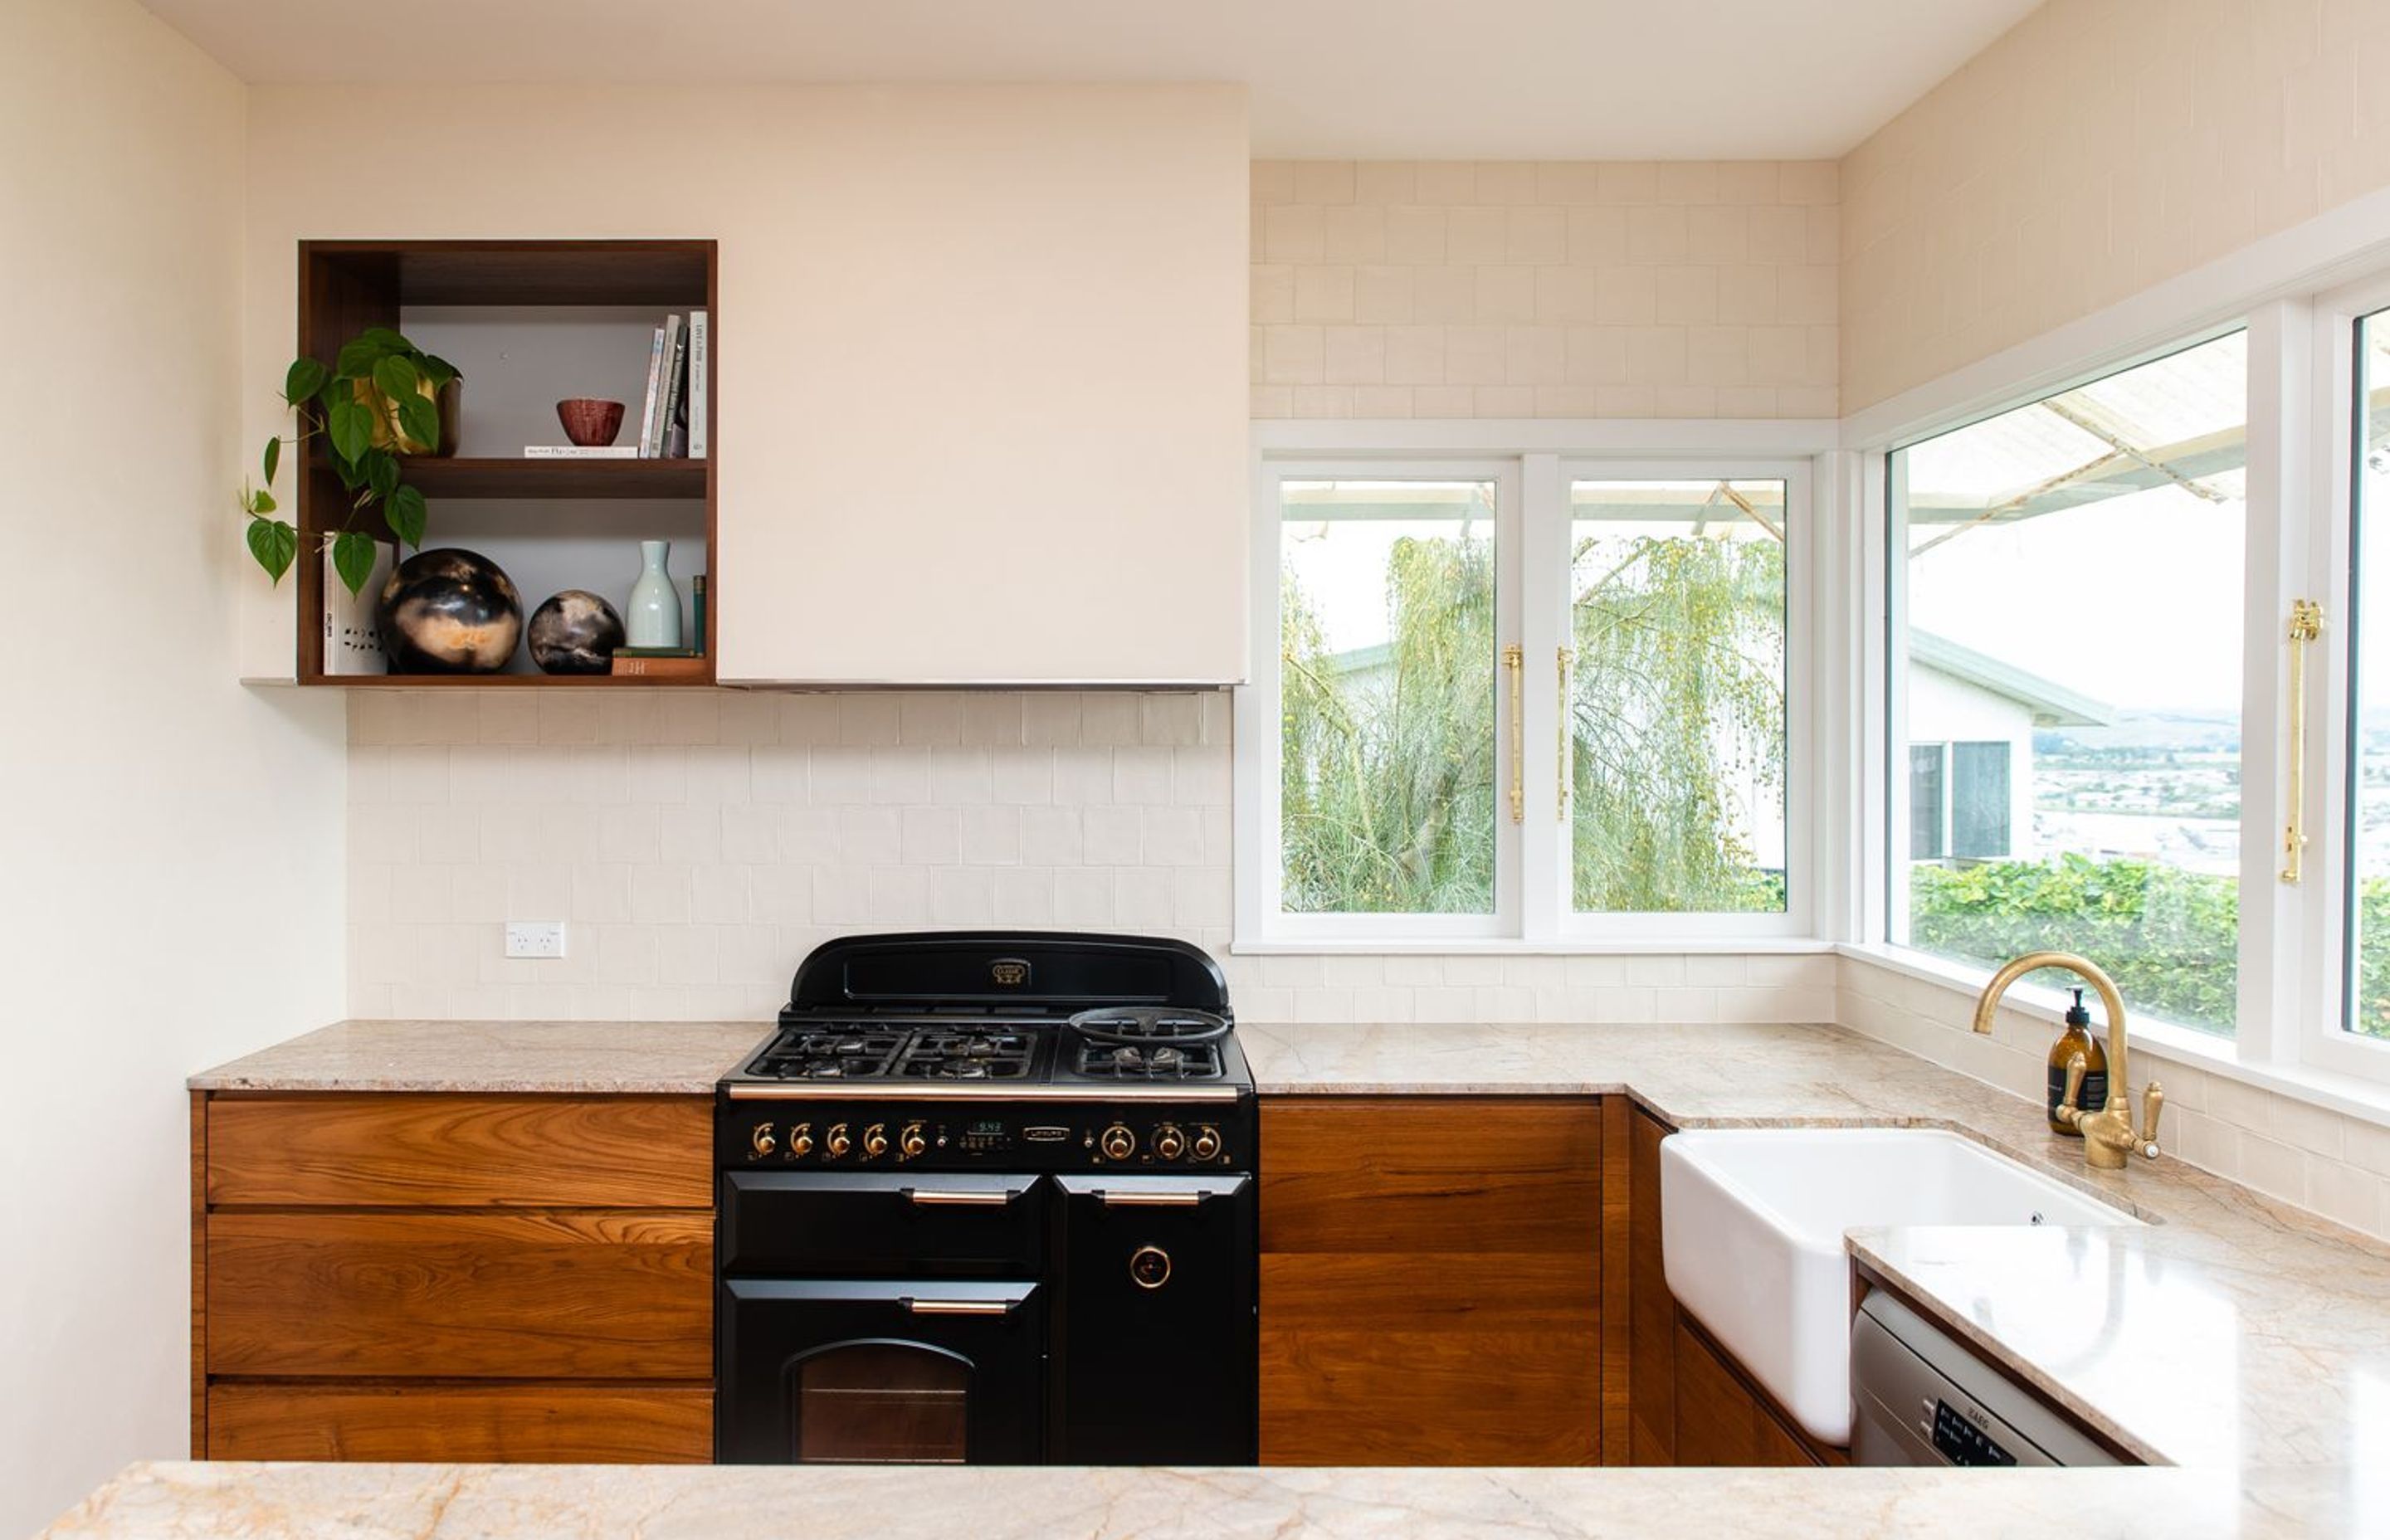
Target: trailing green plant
[[378, 402]]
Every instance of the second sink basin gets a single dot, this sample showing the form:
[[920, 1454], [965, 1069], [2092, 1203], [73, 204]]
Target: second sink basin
[[1752, 1223]]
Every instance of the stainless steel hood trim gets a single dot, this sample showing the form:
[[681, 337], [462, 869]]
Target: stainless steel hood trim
[[899, 1090]]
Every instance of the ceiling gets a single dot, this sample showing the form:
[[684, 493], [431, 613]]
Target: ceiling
[[1391, 79]]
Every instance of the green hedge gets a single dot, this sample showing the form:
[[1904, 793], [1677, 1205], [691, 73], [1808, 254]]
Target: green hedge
[[2169, 938]]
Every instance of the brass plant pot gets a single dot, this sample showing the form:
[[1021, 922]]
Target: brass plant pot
[[387, 434]]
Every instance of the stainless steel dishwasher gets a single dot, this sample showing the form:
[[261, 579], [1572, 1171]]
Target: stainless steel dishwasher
[[1922, 1397]]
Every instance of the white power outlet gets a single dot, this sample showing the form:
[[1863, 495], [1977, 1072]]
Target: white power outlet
[[534, 938]]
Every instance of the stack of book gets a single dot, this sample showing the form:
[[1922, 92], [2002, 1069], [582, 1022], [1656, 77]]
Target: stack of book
[[673, 414]]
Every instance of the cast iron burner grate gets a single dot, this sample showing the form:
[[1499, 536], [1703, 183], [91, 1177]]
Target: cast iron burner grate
[[832, 1055], [1149, 1061], [967, 1056]]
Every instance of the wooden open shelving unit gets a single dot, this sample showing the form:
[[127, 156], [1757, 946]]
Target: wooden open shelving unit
[[346, 286]]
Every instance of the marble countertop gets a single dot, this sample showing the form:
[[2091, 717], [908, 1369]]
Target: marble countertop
[[2230, 1332], [497, 1057], [450, 1502]]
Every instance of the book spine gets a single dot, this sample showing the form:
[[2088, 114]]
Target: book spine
[[700, 351], [697, 611], [675, 436], [648, 412], [660, 404]]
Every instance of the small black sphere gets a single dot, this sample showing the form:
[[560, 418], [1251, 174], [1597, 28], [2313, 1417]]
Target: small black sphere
[[575, 632], [449, 612]]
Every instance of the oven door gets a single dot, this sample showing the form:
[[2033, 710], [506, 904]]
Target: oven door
[[903, 1371], [1157, 1346]]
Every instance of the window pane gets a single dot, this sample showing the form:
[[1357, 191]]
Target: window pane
[[1676, 714], [1926, 812], [1386, 629], [2369, 735], [2073, 582]]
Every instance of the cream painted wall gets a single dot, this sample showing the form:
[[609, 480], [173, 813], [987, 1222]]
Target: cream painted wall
[[2100, 147], [172, 841], [1003, 319]]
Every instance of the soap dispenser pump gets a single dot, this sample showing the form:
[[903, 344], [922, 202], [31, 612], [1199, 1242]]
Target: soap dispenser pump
[[2076, 1038]]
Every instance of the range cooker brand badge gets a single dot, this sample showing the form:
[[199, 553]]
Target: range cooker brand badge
[[1008, 972]]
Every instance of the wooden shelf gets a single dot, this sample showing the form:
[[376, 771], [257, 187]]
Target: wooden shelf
[[669, 275], [506, 681], [491, 476]]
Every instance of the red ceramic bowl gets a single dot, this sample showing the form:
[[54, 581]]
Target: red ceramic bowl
[[588, 422]]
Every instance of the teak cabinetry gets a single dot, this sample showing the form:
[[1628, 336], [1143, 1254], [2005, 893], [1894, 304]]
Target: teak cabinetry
[[1430, 1280], [452, 1277]]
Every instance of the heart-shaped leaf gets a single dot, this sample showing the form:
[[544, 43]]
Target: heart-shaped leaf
[[386, 339], [395, 378], [351, 428], [352, 558], [356, 360], [419, 421], [437, 370], [261, 501], [306, 378], [381, 472], [273, 456], [274, 545], [406, 515]]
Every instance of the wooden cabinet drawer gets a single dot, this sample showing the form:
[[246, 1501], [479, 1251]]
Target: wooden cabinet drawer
[[1430, 1280], [550, 1424], [601, 1294], [466, 1152]]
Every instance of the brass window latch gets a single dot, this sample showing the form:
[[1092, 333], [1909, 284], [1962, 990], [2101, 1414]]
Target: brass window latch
[[2306, 626], [1514, 657]]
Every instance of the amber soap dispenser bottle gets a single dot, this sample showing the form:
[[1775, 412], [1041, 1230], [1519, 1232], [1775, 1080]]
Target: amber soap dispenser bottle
[[2076, 1038]]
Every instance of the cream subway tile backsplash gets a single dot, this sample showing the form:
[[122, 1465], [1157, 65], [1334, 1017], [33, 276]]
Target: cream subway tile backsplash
[[2336, 1165], [1491, 289]]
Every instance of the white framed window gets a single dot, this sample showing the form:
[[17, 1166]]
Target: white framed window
[[1529, 698], [2345, 908], [2065, 648]]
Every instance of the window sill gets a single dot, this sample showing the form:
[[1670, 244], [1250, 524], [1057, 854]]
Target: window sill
[[2351, 1096], [1515, 946]]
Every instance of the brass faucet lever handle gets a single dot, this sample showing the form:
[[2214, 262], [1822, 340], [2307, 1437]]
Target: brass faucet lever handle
[[2076, 1067], [2152, 1103]]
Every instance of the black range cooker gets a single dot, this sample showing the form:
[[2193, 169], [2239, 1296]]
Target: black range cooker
[[990, 1198]]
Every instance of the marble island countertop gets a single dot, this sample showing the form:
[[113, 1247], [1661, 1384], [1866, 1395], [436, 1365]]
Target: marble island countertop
[[451, 1502], [2228, 1334]]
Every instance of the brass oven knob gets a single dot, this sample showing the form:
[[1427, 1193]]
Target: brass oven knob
[[1168, 1142], [875, 1141], [911, 1142], [1207, 1143], [836, 1143], [1119, 1144], [761, 1140], [801, 1141]]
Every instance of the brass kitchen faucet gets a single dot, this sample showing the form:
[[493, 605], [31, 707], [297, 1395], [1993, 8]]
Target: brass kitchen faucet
[[2108, 1136]]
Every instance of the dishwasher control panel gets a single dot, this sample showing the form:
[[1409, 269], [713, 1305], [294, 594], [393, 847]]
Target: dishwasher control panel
[[1961, 1440]]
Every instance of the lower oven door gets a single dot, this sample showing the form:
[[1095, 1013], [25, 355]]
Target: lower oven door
[[1156, 1343], [904, 1371]]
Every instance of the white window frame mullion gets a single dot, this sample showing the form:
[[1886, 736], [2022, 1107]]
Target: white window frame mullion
[[1543, 631], [1892, 756], [1801, 738], [2275, 917], [2329, 577]]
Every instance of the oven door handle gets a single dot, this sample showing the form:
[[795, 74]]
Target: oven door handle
[[960, 1307], [1114, 1199], [934, 1197]]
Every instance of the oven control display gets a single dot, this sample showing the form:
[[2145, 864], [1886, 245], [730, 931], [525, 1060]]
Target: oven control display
[[986, 1134]]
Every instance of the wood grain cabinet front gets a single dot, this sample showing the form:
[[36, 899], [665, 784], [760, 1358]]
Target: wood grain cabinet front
[[1430, 1280], [435, 1276]]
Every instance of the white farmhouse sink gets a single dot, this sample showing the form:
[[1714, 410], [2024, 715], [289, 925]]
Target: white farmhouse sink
[[1752, 1223]]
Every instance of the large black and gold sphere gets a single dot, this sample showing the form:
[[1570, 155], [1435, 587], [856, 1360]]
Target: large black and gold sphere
[[449, 612], [575, 632]]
